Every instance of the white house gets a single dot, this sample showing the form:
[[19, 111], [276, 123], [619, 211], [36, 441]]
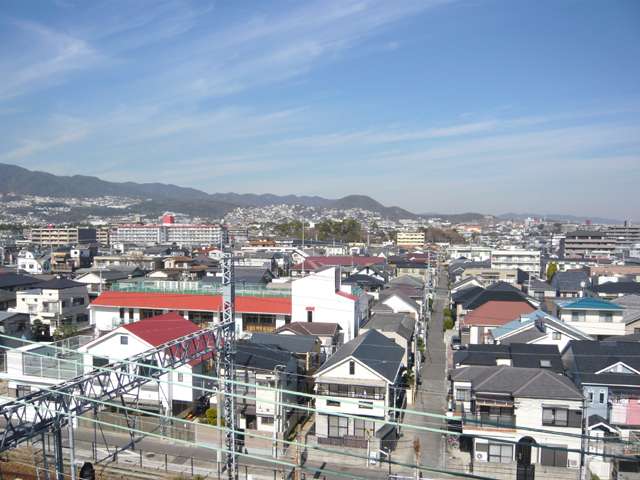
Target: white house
[[538, 328], [177, 389], [33, 264], [593, 316], [321, 297], [56, 303], [518, 408], [362, 378]]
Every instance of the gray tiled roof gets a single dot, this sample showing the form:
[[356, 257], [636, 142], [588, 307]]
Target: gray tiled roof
[[519, 382], [290, 343], [400, 323], [372, 349]]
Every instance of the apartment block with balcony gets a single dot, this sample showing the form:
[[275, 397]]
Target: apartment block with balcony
[[518, 408], [60, 236], [588, 244], [512, 259], [56, 304]]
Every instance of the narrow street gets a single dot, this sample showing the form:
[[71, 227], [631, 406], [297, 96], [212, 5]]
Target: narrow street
[[431, 396]]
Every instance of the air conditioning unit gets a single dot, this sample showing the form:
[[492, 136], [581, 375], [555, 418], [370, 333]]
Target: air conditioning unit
[[481, 456], [573, 463]]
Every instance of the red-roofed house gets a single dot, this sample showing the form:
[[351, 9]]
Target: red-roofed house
[[253, 314], [475, 326], [133, 338]]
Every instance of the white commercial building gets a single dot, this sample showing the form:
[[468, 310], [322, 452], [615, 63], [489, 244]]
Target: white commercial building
[[181, 234]]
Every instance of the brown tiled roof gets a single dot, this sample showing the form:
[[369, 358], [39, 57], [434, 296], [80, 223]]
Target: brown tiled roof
[[496, 313]]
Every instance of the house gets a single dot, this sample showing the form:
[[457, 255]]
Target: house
[[595, 317], [321, 297], [99, 280], [260, 369], [329, 334], [347, 263], [608, 372], [415, 269], [476, 326], [539, 328], [513, 355], [364, 378], [56, 303], [570, 283], [399, 327], [631, 313], [176, 390], [306, 348], [613, 290], [252, 313], [518, 408], [466, 283], [500, 291], [400, 302], [32, 263]]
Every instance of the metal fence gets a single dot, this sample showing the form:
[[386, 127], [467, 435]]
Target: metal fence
[[195, 288], [47, 362]]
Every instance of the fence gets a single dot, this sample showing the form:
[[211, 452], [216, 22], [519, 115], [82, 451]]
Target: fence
[[118, 423]]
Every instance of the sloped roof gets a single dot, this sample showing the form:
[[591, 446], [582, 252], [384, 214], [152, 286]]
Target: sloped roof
[[260, 356], [631, 300], [617, 288], [401, 323], [13, 280], [588, 303], [500, 291], [521, 355], [519, 382], [388, 293], [534, 322], [494, 313], [590, 357], [161, 328], [183, 301], [59, 284], [372, 349], [321, 329], [289, 343], [569, 281]]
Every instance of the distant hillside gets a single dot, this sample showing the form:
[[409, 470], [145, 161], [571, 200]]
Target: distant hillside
[[160, 197]]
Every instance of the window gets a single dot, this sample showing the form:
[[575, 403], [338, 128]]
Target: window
[[309, 316], [287, 319], [463, 395], [352, 367], [338, 426], [332, 403], [363, 428], [100, 361], [130, 314], [590, 397], [578, 316], [606, 317], [556, 336], [267, 420], [545, 363], [122, 314], [499, 453], [124, 340], [558, 417], [554, 457], [366, 405], [601, 396], [77, 301], [180, 377]]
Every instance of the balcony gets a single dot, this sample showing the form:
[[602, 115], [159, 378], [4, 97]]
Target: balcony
[[490, 421]]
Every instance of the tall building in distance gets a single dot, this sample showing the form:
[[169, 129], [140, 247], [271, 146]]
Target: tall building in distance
[[168, 232], [52, 236], [511, 259], [410, 238], [588, 244]]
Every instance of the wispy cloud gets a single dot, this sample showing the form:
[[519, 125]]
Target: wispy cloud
[[53, 55]]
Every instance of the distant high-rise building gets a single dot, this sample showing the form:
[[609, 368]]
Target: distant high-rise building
[[167, 233], [52, 236]]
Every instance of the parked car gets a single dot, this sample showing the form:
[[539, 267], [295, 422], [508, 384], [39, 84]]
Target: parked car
[[455, 342]]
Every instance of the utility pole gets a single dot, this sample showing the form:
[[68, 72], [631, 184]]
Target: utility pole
[[277, 417]]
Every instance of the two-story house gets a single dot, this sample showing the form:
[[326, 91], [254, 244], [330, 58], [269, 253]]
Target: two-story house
[[55, 304], [539, 328], [519, 408], [593, 316], [363, 378]]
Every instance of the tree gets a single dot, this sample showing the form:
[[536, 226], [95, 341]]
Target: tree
[[212, 416], [409, 377], [448, 323], [39, 330], [552, 268]]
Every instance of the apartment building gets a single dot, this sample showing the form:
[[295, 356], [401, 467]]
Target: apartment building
[[60, 236], [166, 233], [588, 243], [410, 238], [511, 259]]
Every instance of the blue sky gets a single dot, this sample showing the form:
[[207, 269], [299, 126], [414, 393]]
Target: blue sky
[[445, 106]]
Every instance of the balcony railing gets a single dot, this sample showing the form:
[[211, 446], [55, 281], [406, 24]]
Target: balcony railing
[[196, 288], [488, 420]]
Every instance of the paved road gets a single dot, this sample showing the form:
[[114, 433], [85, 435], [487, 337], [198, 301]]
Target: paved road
[[431, 396]]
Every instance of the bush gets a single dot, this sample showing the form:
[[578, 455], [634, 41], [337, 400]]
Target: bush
[[212, 416], [421, 346], [448, 323]]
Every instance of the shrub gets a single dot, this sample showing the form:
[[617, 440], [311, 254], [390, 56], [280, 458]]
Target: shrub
[[448, 323], [212, 416]]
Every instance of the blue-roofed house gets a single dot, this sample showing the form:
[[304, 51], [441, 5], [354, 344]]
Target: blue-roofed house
[[539, 328], [592, 316]]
